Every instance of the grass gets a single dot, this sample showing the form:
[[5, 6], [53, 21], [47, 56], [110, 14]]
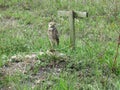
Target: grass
[[23, 30]]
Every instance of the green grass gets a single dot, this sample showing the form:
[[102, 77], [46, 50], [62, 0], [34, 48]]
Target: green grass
[[89, 67]]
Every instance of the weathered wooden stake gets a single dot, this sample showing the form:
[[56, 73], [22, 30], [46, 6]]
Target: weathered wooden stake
[[72, 29], [72, 15]]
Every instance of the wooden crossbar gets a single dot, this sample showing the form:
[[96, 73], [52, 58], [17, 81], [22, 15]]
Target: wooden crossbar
[[71, 15]]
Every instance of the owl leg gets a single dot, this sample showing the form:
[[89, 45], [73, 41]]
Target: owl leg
[[54, 43], [51, 44]]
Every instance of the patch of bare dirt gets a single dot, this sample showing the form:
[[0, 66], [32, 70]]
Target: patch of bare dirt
[[27, 65], [8, 22]]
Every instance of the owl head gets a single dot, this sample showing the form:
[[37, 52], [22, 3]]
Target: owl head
[[51, 24]]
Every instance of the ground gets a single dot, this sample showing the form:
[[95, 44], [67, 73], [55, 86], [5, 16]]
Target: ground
[[23, 42]]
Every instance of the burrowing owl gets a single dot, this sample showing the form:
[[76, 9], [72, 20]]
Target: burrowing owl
[[53, 34]]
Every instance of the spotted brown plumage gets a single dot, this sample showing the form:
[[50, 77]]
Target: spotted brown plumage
[[53, 34]]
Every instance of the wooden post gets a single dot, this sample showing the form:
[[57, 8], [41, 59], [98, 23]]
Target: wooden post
[[72, 29], [72, 14]]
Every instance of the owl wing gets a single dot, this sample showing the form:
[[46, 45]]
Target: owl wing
[[56, 36], [49, 32], [56, 33]]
